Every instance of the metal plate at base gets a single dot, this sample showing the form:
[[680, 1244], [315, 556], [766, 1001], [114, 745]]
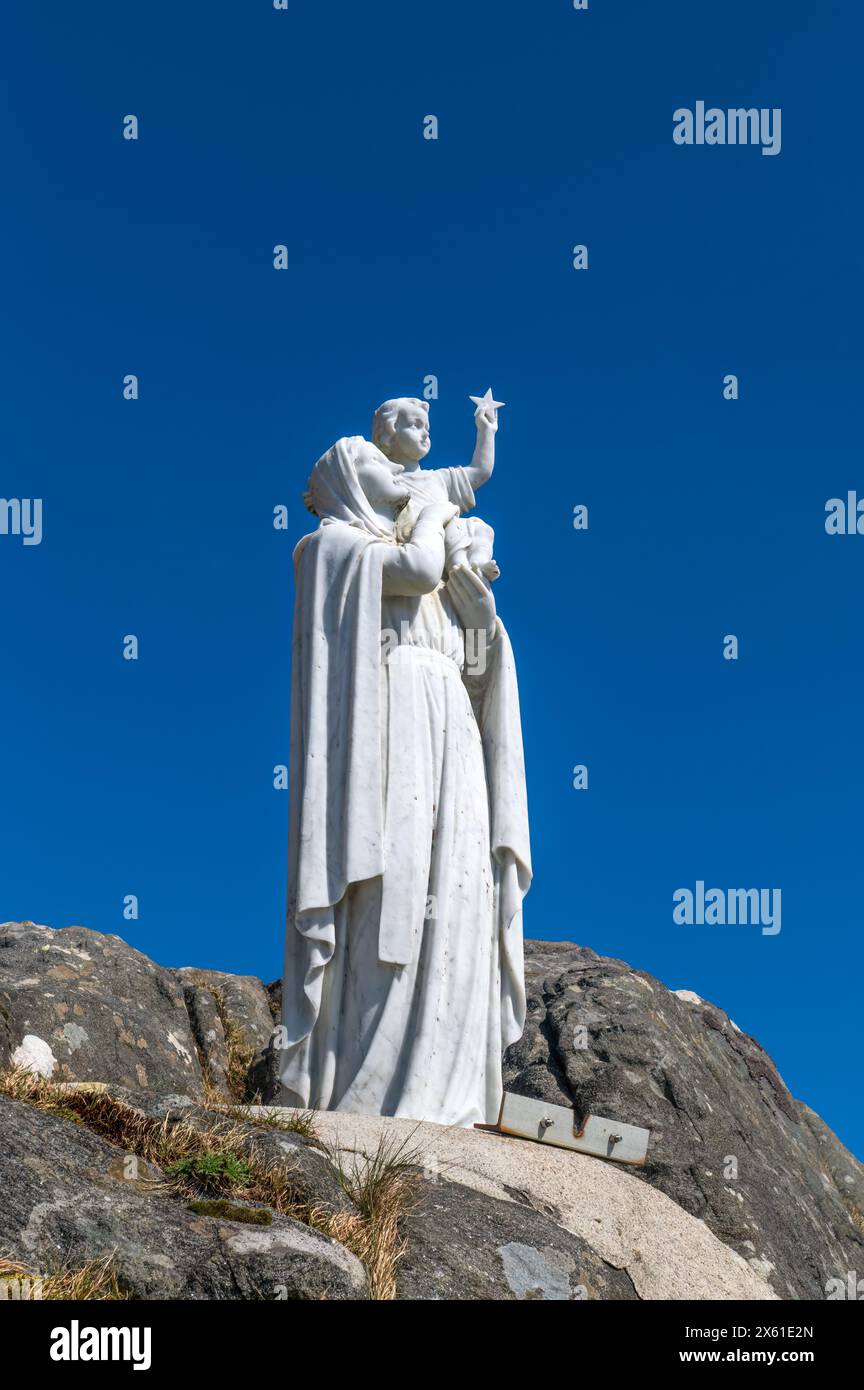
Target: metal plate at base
[[527, 1118]]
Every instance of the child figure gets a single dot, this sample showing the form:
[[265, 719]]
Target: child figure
[[400, 429]]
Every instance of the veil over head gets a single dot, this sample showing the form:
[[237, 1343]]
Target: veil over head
[[334, 492]]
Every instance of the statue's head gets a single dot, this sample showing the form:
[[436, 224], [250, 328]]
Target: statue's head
[[400, 429], [378, 476], [355, 482]]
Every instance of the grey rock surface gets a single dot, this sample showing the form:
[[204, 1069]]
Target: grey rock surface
[[627, 1224], [68, 1198], [728, 1142], [244, 998], [274, 995], [263, 1082], [87, 1007], [464, 1244], [208, 1030], [230, 1016], [81, 1006]]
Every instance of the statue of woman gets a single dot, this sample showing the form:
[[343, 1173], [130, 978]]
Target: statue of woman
[[408, 841]]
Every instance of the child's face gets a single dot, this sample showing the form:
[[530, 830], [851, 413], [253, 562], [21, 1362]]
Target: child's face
[[411, 435]]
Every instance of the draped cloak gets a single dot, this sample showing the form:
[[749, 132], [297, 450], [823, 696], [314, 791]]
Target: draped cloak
[[339, 788]]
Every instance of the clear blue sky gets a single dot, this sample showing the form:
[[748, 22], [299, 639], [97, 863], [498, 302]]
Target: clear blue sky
[[410, 257]]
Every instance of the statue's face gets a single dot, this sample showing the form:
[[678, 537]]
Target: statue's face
[[410, 434], [379, 478]]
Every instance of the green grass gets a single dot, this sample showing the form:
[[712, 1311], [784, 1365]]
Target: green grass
[[213, 1170]]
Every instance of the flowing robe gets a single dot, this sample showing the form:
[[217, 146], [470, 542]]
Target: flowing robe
[[408, 848]]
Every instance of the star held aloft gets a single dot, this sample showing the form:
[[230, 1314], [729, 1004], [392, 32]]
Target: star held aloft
[[486, 402]]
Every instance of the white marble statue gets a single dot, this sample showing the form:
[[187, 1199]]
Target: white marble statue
[[408, 842]]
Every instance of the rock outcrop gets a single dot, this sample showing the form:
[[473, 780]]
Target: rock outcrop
[[746, 1193], [90, 1007], [70, 1197], [500, 1218], [231, 1023], [84, 1006], [729, 1144]]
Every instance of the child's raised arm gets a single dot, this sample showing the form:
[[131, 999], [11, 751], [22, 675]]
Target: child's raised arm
[[479, 470]]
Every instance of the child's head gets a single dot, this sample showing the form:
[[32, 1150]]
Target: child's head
[[400, 429]]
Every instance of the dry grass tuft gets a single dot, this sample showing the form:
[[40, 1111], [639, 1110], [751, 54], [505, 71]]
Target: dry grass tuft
[[383, 1188], [212, 1160], [97, 1279], [300, 1122]]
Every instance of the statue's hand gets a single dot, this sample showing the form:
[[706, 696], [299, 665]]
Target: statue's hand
[[486, 421], [472, 599]]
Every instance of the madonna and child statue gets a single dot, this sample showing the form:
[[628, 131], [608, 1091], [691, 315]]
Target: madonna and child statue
[[408, 836]]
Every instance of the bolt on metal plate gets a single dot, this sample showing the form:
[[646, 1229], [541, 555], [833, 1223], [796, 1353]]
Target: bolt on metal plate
[[526, 1118]]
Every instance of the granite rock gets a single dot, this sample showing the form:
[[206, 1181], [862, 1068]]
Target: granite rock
[[70, 1197], [729, 1144], [82, 1006]]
